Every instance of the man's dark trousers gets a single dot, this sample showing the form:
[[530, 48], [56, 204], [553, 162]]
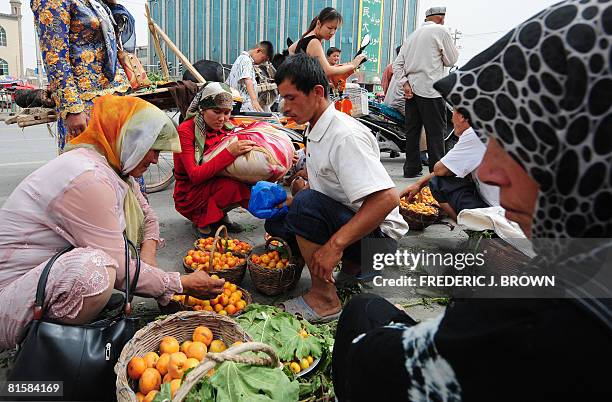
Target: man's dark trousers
[[431, 113]]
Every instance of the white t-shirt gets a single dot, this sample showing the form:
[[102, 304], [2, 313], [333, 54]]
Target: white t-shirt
[[243, 68], [423, 57], [464, 159], [343, 162]]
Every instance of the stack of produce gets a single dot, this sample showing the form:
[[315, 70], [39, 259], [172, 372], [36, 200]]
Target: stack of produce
[[421, 211], [170, 362], [232, 301], [234, 246]]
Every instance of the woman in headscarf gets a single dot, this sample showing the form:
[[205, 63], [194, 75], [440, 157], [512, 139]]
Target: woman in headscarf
[[541, 97], [200, 193], [87, 198]]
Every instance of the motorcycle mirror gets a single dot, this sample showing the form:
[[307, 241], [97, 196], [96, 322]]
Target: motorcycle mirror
[[365, 41]]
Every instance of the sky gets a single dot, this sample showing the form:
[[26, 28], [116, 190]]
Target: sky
[[481, 22]]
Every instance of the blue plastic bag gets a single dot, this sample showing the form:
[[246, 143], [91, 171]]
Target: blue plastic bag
[[265, 197]]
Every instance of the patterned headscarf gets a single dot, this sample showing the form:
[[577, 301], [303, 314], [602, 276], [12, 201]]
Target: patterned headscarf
[[212, 95], [544, 92], [123, 129]]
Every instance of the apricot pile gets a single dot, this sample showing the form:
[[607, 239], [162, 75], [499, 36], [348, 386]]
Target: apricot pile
[[200, 260], [271, 260], [232, 245], [229, 302], [422, 203], [169, 363]]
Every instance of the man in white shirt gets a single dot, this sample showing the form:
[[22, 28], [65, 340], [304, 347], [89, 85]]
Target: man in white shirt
[[351, 196], [420, 63], [242, 76], [454, 182]]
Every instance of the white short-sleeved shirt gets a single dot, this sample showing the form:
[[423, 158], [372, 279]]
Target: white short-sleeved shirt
[[243, 67], [343, 162], [464, 158], [423, 57]]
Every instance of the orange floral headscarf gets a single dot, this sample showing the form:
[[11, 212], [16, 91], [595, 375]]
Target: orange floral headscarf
[[123, 129]]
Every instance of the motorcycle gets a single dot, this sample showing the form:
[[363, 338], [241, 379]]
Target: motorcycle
[[388, 125]]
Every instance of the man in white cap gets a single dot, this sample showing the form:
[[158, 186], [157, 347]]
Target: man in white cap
[[420, 63]]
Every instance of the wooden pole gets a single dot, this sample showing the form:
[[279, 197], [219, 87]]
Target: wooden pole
[[179, 54], [158, 49]]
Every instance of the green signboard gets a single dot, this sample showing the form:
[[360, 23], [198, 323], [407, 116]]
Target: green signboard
[[371, 22]]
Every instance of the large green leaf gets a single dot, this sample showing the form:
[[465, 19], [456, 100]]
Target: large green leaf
[[281, 330], [240, 382]]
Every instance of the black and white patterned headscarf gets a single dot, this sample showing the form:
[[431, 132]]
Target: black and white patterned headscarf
[[544, 91]]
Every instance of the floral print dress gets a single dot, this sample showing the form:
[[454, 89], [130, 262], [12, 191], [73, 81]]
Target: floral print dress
[[74, 52]]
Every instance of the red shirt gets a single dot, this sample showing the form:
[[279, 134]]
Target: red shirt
[[185, 168]]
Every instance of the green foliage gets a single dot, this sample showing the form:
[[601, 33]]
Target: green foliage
[[164, 393], [202, 392], [243, 382], [280, 330]]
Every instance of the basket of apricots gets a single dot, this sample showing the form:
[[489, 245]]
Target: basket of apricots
[[231, 302], [273, 268], [422, 210], [237, 247], [216, 261], [164, 350]]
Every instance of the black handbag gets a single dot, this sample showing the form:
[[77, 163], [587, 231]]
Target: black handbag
[[81, 356]]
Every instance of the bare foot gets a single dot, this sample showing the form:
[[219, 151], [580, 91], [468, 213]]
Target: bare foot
[[323, 305]]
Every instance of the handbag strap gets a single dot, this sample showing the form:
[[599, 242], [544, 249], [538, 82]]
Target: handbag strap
[[129, 291]]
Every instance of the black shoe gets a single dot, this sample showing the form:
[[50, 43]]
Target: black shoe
[[200, 233], [412, 176], [232, 227]]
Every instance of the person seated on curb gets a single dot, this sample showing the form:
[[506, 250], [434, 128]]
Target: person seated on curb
[[449, 182], [350, 195], [201, 194], [242, 76]]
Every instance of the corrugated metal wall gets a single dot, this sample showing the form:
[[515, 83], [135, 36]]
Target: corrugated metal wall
[[220, 29]]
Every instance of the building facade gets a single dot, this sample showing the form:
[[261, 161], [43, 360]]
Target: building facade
[[11, 49], [220, 29]]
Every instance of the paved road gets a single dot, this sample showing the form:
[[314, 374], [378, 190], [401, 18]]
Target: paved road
[[23, 151]]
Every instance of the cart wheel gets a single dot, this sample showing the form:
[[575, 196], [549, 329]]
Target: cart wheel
[[159, 177]]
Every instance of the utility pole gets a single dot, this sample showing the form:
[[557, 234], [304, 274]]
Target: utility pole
[[457, 35], [39, 64]]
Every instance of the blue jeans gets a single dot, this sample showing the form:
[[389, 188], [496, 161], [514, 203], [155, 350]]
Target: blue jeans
[[316, 217]]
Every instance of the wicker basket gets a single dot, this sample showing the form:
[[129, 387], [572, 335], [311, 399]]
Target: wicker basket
[[418, 221], [176, 306], [272, 282], [180, 326], [231, 354], [223, 228], [234, 275]]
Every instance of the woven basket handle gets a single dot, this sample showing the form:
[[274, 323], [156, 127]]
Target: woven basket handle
[[231, 354], [283, 242], [214, 244]]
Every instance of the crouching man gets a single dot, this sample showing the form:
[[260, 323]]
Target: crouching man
[[453, 182], [351, 196]]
